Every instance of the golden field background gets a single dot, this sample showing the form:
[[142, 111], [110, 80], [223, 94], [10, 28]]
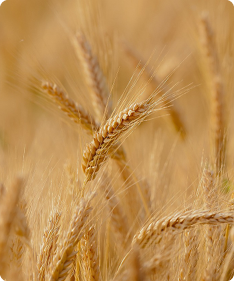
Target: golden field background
[[41, 144]]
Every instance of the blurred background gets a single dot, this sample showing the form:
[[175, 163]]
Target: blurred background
[[35, 44]]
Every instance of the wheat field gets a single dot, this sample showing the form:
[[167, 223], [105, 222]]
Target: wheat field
[[116, 140]]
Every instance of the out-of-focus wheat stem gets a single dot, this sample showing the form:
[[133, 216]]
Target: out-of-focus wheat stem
[[229, 258], [8, 212], [8, 209], [213, 233], [130, 177], [118, 220], [135, 269], [217, 97]]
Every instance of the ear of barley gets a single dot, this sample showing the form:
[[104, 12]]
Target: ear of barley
[[217, 93], [154, 231], [61, 265], [93, 75], [154, 83], [8, 209], [96, 153], [49, 244], [73, 110]]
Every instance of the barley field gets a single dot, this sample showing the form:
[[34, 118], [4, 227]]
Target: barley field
[[116, 140]]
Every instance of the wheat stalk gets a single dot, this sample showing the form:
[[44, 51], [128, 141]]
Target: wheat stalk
[[61, 265], [93, 75], [189, 264], [156, 229], [49, 244], [72, 109], [228, 266], [91, 255], [217, 97], [8, 210], [96, 152]]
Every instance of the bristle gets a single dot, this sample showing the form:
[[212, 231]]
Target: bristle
[[118, 219], [154, 83]]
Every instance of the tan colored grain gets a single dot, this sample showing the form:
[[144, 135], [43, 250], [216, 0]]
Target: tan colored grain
[[217, 93], [156, 229], [72, 109], [49, 244], [189, 264], [62, 261], [91, 258], [228, 264], [8, 210], [93, 75], [96, 152]]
